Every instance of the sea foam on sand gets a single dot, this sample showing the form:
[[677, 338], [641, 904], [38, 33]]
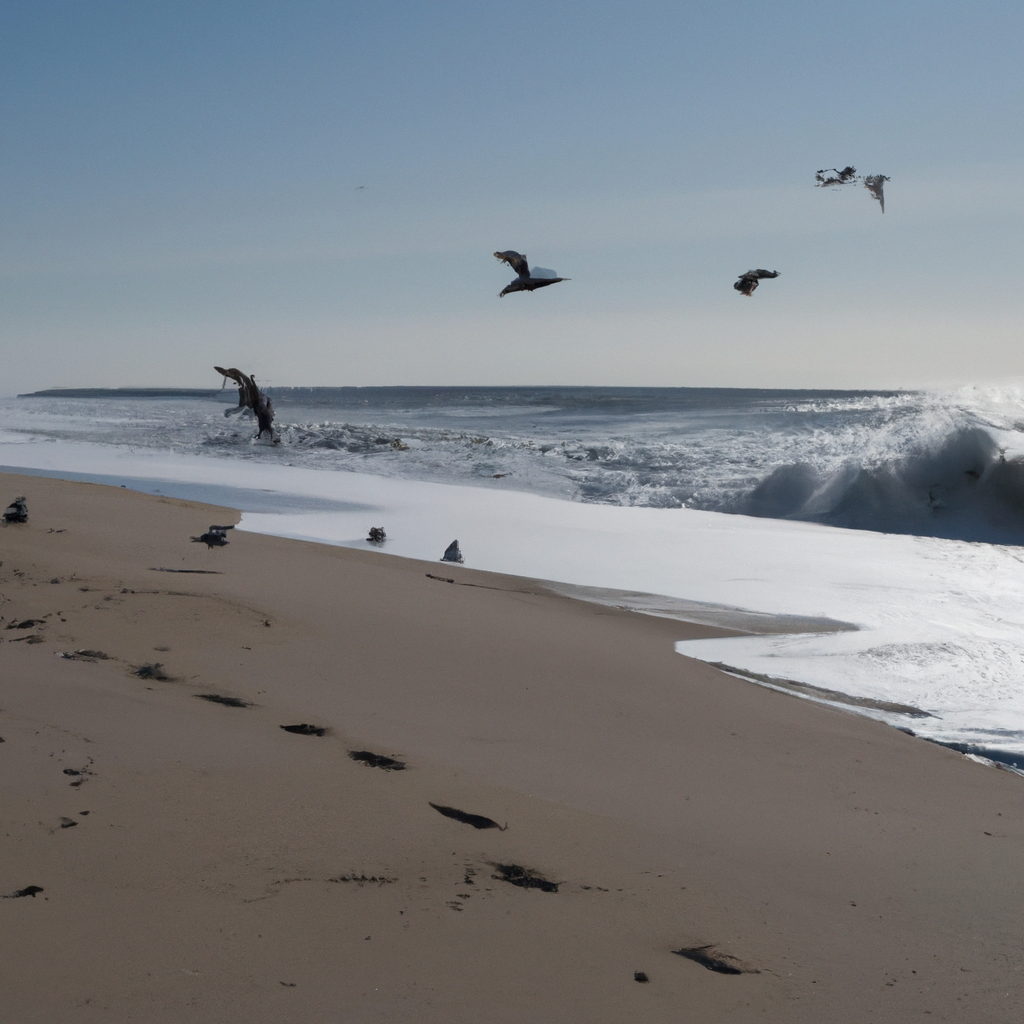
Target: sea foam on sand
[[938, 622]]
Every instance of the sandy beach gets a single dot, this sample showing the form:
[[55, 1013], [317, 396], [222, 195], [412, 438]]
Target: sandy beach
[[189, 859]]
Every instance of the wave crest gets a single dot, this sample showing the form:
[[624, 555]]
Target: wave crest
[[965, 488]]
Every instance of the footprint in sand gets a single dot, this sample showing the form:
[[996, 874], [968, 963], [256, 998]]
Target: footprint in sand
[[389, 764], [476, 820], [228, 702], [525, 878], [707, 957], [152, 671]]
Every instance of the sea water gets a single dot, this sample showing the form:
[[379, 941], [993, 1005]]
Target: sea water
[[899, 513]]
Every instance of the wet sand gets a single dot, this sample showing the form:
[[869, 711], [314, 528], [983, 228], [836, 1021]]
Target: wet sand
[[196, 861]]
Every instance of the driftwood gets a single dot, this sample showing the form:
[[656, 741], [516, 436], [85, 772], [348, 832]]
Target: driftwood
[[251, 397], [377, 535]]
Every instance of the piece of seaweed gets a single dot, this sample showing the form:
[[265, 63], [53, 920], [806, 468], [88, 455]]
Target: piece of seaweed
[[523, 877], [701, 955], [372, 760], [476, 820], [305, 730], [228, 702]]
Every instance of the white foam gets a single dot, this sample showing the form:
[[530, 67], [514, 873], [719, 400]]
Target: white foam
[[941, 622]]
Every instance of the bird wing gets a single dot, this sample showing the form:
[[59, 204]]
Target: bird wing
[[248, 393], [873, 183], [836, 177], [515, 260], [762, 273]]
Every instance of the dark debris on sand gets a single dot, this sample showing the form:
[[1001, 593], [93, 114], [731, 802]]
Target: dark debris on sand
[[198, 572], [367, 757], [85, 655], [476, 820], [523, 877], [705, 956], [640, 976], [152, 671], [363, 879], [305, 730], [228, 702], [29, 890]]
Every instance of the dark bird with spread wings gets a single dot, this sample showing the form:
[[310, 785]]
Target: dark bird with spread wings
[[251, 397], [750, 280], [525, 282]]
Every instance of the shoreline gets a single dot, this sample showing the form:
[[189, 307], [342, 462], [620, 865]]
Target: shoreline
[[220, 866], [322, 500]]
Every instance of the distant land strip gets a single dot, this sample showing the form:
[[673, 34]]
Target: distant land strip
[[128, 393]]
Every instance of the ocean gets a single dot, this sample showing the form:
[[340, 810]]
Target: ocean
[[899, 513]]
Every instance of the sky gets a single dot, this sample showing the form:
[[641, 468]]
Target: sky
[[312, 191]]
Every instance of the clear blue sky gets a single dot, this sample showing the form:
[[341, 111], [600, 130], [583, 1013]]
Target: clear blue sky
[[179, 188]]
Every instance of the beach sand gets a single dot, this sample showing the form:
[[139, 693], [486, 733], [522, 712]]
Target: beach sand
[[197, 862]]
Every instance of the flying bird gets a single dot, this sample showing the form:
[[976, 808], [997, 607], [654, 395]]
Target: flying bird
[[251, 397], [525, 282], [830, 176], [749, 281]]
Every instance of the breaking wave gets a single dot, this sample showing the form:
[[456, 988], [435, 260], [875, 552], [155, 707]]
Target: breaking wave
[[933, 464]]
